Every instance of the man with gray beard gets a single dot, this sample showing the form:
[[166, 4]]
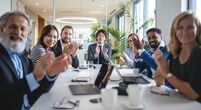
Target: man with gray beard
[[20, 83]]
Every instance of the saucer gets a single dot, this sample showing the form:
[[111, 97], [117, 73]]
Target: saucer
[[127, 105]]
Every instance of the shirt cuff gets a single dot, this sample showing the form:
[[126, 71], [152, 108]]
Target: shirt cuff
[[26, 105], [33, 84], [51, 78], [140, 51]]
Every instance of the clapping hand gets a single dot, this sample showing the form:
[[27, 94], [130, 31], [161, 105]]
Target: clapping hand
[[70, 49], [163, 65], [137, 43], [76, 47], [58, 65], [159, 79], [105, 50], [50, 65]]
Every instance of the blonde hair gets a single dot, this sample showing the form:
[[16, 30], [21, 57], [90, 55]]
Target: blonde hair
[[174, 43]]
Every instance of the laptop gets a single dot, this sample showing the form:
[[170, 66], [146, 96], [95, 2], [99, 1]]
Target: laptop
[[139, 79], [100, 82]]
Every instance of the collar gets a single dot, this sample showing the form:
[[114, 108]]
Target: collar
[[162, 44], [99, 44]]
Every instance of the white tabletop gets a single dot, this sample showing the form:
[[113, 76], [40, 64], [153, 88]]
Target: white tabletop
[[150, 101]]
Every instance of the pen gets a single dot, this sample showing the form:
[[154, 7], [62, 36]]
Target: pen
[[76, 80]]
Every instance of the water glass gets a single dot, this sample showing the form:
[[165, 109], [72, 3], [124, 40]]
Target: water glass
[[90, 65]]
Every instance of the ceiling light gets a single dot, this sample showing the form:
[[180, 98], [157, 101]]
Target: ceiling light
[[44, 11], [36, 4], [77, 20]]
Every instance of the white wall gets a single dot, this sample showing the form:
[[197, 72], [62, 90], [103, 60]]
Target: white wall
[[166, 10], [5, 6]]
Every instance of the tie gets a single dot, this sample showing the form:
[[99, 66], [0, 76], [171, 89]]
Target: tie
[[100, 55]]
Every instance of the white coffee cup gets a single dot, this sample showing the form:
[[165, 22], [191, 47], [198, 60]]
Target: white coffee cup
[[135, 94], [109, 98]]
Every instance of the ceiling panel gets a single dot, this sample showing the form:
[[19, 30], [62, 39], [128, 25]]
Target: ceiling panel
[[82, 8]]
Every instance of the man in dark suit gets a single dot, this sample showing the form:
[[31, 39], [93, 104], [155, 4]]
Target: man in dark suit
[[100, 52], [62, 44], [20, 83]]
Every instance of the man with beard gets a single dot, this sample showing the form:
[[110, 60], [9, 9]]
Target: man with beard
[[21, 84], [65, 44], [154, 36]]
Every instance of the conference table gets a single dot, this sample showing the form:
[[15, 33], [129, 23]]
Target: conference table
[[151, 101]]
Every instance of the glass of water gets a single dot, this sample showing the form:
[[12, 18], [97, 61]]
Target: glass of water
[[91, 71], [90, 65]]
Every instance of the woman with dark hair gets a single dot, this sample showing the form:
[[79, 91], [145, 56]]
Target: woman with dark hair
[[100, 52], [128, 57], [46, 42]]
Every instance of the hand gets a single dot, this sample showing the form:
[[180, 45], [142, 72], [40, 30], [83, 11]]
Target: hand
[[97, 49], [70, 49], [137, 43], [159, 79], [137, 54], [130, 61], [163, 65], [58, 65], [76, 47], [121, 61], [105, 50], [42, 65]]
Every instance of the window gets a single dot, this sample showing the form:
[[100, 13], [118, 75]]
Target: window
[[193, 5], [144, 12], [121, 22], [138, 15]]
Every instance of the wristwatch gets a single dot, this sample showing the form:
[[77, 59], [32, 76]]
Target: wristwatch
[[168, 76]]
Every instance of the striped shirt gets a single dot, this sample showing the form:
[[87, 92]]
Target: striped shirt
[[36, 53]]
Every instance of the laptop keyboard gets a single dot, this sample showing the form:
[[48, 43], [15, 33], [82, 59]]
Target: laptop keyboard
[[84, 89], [136, 80], [89, 87]]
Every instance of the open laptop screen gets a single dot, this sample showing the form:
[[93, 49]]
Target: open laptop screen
[[132, 79], [103, 75]]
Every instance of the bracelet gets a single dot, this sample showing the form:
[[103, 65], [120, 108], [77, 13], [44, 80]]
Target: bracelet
[[169, 76]]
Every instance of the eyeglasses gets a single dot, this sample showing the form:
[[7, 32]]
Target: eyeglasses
[[65, 103], [159, 90]]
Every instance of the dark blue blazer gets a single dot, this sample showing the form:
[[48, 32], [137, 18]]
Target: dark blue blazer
[[92, 51], [58, 51], [147, 57], [13, 89], [148, 61]]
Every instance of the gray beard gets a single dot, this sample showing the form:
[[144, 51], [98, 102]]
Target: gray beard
[[13, 46]]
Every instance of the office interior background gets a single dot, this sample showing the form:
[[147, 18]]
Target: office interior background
[[83, 14]]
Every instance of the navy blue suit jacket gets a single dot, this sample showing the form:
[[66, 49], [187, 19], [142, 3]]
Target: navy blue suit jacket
[[92, 51], [13, 89], [148, 61], [58, 51]]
